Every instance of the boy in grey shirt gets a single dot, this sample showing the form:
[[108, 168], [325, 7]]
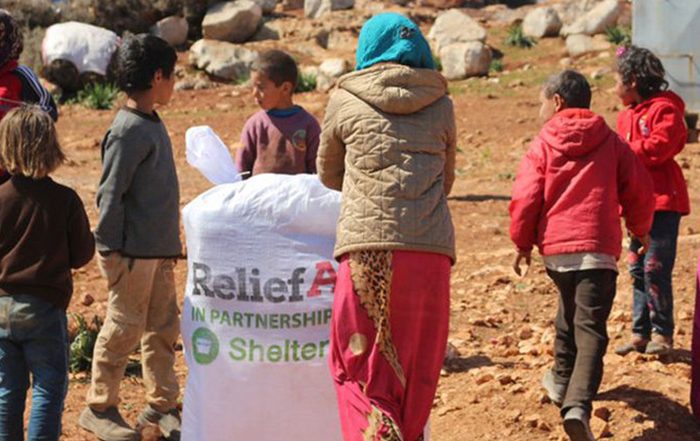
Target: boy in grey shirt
[[138, 241]]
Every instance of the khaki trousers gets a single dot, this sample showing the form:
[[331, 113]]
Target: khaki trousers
[[142, 309]]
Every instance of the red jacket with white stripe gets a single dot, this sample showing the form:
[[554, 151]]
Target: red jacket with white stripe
[[571, 184], [655, 130]]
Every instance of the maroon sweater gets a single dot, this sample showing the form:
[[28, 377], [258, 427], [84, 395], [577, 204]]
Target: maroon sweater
[[44, 232], [276, 143]]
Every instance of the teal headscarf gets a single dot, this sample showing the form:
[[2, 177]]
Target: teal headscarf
[[391, 37]]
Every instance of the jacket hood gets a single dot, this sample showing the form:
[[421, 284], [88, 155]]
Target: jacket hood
[[395, 88], [666, 96], [575, 132]]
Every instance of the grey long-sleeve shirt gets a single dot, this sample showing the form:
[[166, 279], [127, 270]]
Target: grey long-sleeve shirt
[[138, 197]]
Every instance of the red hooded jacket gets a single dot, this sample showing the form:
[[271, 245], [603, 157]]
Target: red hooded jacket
[[570, 185], [656, 131]]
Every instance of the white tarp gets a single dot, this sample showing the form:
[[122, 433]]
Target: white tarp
[[207, 153], [257, 308], [88, 47], [670, 29]]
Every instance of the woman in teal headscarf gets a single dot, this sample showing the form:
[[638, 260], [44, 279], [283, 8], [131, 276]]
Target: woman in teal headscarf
[[388, 142]]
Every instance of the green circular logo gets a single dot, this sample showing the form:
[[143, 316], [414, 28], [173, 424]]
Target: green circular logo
[[205, 346]]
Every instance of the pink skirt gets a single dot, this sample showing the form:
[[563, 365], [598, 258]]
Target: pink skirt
[[388, 337]]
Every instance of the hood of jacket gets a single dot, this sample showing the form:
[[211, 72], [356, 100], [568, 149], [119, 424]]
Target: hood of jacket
[[394, 88], [575, 132], [665, 97]]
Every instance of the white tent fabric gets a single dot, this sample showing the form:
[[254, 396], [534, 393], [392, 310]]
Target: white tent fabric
[[88, 47]]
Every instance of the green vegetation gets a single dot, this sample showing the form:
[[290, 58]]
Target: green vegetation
[[83, 344], [517, 38], [307, 82], [496, 65], [619, 35], [438, 63], [100, 96], [242, 80]]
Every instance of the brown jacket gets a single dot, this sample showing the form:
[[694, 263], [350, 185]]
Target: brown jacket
[[388, 142]]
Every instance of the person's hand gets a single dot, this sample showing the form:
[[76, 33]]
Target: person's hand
[[522, 255], [644, 241]]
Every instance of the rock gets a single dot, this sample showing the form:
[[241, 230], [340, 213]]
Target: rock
[[603, 413], [542, 22], [600, 72], [600, 428], [150, 432], [505, 379], [454, 26], [268, 31], [484, 378], [317, 8], [172, 29], [221, 59], [533, 420], [595, 21], [462, 60], [87, 299], [525, 333], [442, 4], [570, 11], [267, 6], [291, 5], [234, 21], [334, 67], [579, 44]]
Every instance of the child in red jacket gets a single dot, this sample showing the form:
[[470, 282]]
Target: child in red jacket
[[653, 124], [566, 199], [18, 84]]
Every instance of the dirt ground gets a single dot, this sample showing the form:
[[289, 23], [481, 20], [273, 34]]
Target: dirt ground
[[501, 326]]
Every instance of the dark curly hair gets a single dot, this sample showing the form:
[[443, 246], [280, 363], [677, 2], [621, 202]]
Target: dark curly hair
[[641, 65], [571, 86], [139, 58]]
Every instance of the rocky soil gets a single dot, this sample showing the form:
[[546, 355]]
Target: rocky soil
[[501, 326]]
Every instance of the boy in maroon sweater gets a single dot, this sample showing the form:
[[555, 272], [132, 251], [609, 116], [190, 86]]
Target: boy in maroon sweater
[[44, 233], [282, 137]]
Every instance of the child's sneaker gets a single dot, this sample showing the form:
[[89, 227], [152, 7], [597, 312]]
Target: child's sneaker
[[638, 343], [168, 422], [577, 425], [659, 345], [555, 392], [108, 425]]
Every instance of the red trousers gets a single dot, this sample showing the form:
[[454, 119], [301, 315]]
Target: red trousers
[[388, 342]]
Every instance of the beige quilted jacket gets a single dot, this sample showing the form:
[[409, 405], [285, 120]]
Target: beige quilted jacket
[[388, 142]]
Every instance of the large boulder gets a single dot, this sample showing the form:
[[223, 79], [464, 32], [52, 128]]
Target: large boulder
[[542, 22], [119, 15], [223, 60], [580, 44], [596, 20], [267, 6], [454, 26], [462, 60], [172, 29], [329, 71], [317, 8], [442, 4], [234, 21]]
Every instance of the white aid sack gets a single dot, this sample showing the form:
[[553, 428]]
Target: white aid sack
[[256, 315], [88, 47], [207, 153]]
